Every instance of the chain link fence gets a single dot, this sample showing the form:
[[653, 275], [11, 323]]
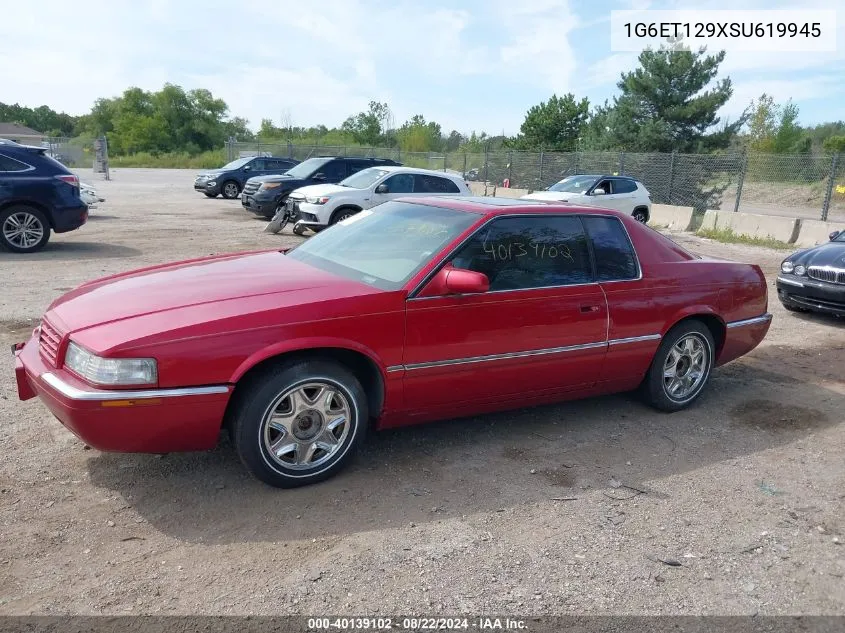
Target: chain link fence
[[795, 185]]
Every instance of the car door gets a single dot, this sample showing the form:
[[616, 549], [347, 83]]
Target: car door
[[624, 194], [398, 185], [541, 327], [431, 185], [633, 305], [332, 172], [606, 200]]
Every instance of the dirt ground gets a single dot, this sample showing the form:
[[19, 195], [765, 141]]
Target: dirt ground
[[556, 510]]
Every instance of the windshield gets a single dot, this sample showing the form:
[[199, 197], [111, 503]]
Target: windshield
[[364, 178], [307, 167], [235, 164], [574, 184], [386, 246], [840, 237]]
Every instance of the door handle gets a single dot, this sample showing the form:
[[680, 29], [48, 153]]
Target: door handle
[[590, 308]]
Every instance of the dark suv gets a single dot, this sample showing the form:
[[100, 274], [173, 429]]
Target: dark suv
[[37, 195], [263, 195], [230, 179]]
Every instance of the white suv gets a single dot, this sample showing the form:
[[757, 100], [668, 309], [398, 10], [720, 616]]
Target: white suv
[[608, 192], [319, 206]]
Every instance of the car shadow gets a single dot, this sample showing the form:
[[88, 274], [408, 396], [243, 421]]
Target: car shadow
[[74, 251], [95, 217], [486, 463], [818, 317]]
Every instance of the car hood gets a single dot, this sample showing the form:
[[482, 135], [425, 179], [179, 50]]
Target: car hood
[[212, 172], [198, 284], [830, 254], [322, 190], [558, 196], [276, 178]]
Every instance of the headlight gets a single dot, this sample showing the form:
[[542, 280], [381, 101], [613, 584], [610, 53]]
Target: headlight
[[800, 270], [211, 183], [270, 185], [110, 371], [317, 200], [787, 267]]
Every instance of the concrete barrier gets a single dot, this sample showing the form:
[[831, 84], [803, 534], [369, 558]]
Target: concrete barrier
[[667, 216], [814, 232], [754, 225]]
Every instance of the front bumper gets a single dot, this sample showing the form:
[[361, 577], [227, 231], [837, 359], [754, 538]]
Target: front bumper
[[259, 206], [202, 186], [130, 421], [312, 215], [810, 294]]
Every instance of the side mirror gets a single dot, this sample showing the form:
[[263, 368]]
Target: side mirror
[[450, 280], [319, 176], [599, 192], [382, 188], [247, 168], [834, 235], [461, 282]]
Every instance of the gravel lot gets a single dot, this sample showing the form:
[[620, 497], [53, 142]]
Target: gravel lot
[[556, 510]]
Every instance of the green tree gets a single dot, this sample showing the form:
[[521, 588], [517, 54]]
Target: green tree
[[763, 124], [789, 136], [555, 124], [670, 103], [417, 135], [834, 144], [370, 127]]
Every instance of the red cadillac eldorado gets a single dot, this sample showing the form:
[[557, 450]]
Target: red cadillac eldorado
[[416, 310]]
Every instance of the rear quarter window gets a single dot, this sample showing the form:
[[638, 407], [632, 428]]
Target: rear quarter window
[[7, 163], [612, 249]]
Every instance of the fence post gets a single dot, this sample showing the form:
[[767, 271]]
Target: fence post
[[290, 149], [510, 168], [621, 163], [829, 192], [486, 166], [577, 160], [742, 169], [445, 154], [672, 175], [541, 169], [465, 165]]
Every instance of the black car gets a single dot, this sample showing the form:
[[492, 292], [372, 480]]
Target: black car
[[37, 195], [263, 195], [230, 179], [814, 279]]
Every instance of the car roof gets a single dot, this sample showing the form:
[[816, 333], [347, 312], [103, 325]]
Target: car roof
[[417, 170], [597, 176], [488, 205]]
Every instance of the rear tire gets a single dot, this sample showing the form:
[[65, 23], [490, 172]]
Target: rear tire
[[640, 214], [23, 229], [299, 423], [230, 190], [681, 367]]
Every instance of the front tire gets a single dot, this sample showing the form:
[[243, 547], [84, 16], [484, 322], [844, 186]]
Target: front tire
[[23, 229], [230, 190], [681, 367], [300, 423], [342, 214], [640, 215]]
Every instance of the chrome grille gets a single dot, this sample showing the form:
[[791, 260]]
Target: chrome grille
[[251, 187], [48, 342], [824, 273]]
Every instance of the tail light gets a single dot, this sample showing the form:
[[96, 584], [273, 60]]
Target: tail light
[[70, 179]]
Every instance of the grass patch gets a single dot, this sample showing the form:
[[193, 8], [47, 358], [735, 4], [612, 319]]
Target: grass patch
[[728, 236], [171, 160]]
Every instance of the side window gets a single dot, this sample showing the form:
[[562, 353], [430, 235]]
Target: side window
[[606, 185], [614, 254], [10, 164], [278, 165], [259, 164], [335, 170], [400, 183], [434, 184], [529, 252], [622, 185]]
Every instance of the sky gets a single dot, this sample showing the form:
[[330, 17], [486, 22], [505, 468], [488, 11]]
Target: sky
[[469, 65]]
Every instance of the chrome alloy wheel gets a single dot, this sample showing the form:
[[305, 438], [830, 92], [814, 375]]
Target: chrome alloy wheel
[[686, 367], [306, 426], [23, 230]]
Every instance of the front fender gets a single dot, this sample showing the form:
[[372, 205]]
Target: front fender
[[305, 344]]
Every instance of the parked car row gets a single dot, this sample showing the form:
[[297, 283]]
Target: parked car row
[[230, 179]]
